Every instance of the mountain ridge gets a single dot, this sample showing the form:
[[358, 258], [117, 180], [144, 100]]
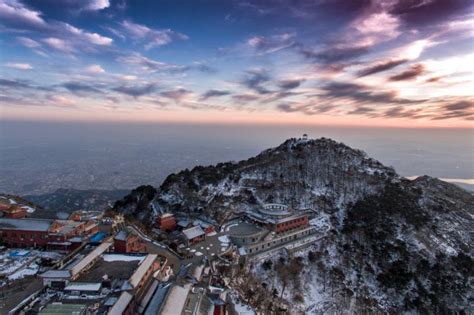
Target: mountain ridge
[[393, 245]]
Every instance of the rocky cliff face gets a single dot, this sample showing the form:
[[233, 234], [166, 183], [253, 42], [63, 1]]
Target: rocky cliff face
[[392, 246]]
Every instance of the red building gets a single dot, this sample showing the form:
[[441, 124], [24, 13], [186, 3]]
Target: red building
[[82, 215], [14, 212], [209, 230], [125, 242], [166, 222], [25, 232], [43, 233], [291, 223]]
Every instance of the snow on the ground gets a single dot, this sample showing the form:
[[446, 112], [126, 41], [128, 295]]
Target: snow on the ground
[[17, 263], [225, 242], [29, 209], [198, 254], [212, 233], [121, 257], [32, 269], [224, 239], [50, 255], [20, 253], [227, 228], [321, 222], [241, 308], [12, 202]]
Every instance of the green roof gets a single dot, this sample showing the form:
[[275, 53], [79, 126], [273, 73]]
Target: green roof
[[64, 309]]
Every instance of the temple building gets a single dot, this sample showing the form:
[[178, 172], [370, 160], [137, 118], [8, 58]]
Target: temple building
[[166, 222], [270, 227], [126, 242], [43, 233], [278, 218]]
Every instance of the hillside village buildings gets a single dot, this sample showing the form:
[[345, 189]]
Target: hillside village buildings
[[166, 222], [270, 227], [115, 272], [44, 233], [126, 242], [103, 282]]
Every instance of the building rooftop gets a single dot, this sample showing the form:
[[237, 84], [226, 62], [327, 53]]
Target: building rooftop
[[64, 226], [175, 300], [157, 299], [244, 228], [121, 305], [272, 219], [63, 309], [55, 274], [183, 223], [99, 250], [83, 286], [142, 269], [121, 236], [193, 232], [114, 270], [39, 225]]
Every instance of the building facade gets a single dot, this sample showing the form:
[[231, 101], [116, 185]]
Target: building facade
[[40, 233], [14, 212], [166, 222], [126, 242]]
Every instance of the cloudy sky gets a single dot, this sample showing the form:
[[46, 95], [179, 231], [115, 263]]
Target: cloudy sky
[[357, 62]]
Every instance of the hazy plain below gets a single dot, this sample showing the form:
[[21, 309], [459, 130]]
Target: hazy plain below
[[40, 157]]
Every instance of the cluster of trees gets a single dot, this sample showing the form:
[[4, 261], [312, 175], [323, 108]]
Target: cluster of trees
[[137, 202], [369, 237], [258, 294]]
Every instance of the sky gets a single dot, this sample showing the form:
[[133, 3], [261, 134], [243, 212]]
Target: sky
[[401, 63]]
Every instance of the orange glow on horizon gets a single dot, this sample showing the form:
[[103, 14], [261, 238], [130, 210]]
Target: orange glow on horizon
[[215, 117]]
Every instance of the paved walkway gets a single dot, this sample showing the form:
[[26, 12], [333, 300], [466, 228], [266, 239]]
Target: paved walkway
[[211, 247]]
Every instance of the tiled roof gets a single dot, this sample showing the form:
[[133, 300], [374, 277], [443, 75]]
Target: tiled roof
[[142, 269], [55, 274], [83, 286], [193, 232], [121, 236], [40, 225], [121, 305]]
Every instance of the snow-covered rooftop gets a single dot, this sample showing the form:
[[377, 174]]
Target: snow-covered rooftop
[[122, 257], [193, 232], [121, 305], [176, 299], [142, 269], [99, 250], [83, 286], [41, 225]]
